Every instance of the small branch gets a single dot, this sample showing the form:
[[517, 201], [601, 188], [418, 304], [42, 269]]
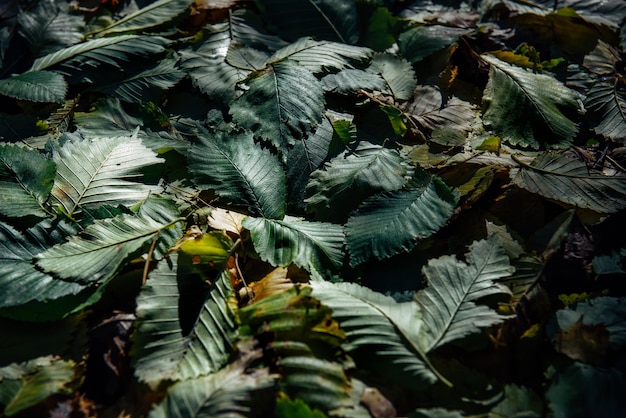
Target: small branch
[[146, 266]]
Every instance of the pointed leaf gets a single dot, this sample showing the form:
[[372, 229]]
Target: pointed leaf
[[153, 14], [282, 104], [184, 328], [608, 106], [26, 179], [35, 86], [422, 41], [239, 171], [309, 245], [381, 333], [115, 51], [351, 81], [108, 118], [528, 110], [397, 73], [570, 181], [353, 176], [92, 172], [20, 280], [101, 250], [386, 224], [332, 20], [449, 301], [322, 56], [147, 85], [49, 27]]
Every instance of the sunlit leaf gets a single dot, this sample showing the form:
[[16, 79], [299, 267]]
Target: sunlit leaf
[[35, 86], [449, 302], [240, 171], [26, 179], [570, 181], [528, 110]]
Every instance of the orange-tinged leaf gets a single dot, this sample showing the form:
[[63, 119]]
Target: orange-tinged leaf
[[585, 342]]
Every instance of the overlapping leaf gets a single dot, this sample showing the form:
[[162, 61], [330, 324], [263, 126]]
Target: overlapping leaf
[[353, 176], [108, 118], [146, 86], [528, 110], [608, 105], [448, 303], [92, 172], [20, 280], [153, 14], [570, 181], [421, 41], [333, 20], [322, 56], [310, 245], [26, 179], [185, 329], [240, 171], [397, 73], [375, 323], [35, 86], [351, 80], [389, 223], [283, 103], [100, 251]]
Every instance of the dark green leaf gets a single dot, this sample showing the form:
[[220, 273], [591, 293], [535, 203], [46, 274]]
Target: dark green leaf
[[422, 41], [608, 106], [35, 86]]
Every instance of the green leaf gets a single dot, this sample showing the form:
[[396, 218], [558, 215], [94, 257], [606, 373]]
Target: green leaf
[[101, 250], [309, 245], [448, 303], [282, 105], [608, 106], [528, 110], [147, 85], [228, 54], [232, 392], [184, 328], [49, 27], [116, 52], [397, 73], [352, 176], [239, 171], [331, 20], [570, 181], [108, 118], [25, 385], [20, 280], [287, 408], [322, 56], [519, 401], [26, 179], [386, 224], [35, 86], [153, 14], [351, 81], [381, 333], [92, 172], [422, 41]]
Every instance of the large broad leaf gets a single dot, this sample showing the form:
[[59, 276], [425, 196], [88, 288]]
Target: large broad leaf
[[381, 333], [386, 224], [240, 171], [185, 328], [229, 52], [283, 103], [322, 56], [147, 85], [352, 81], [397, 73], [333, 20], [24, 385], [570, 181], [101, 250], [528, 110], [35, 86], [236, 391], [26, 179], [448, 303], [608, 106], [116, 51], [352, 176], [107, 118], [49, 27], [20, 280], [151, 15], [419, 42], [310, 245], [92, 172]]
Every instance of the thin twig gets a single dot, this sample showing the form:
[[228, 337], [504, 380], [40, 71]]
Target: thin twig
[[146, 266]]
